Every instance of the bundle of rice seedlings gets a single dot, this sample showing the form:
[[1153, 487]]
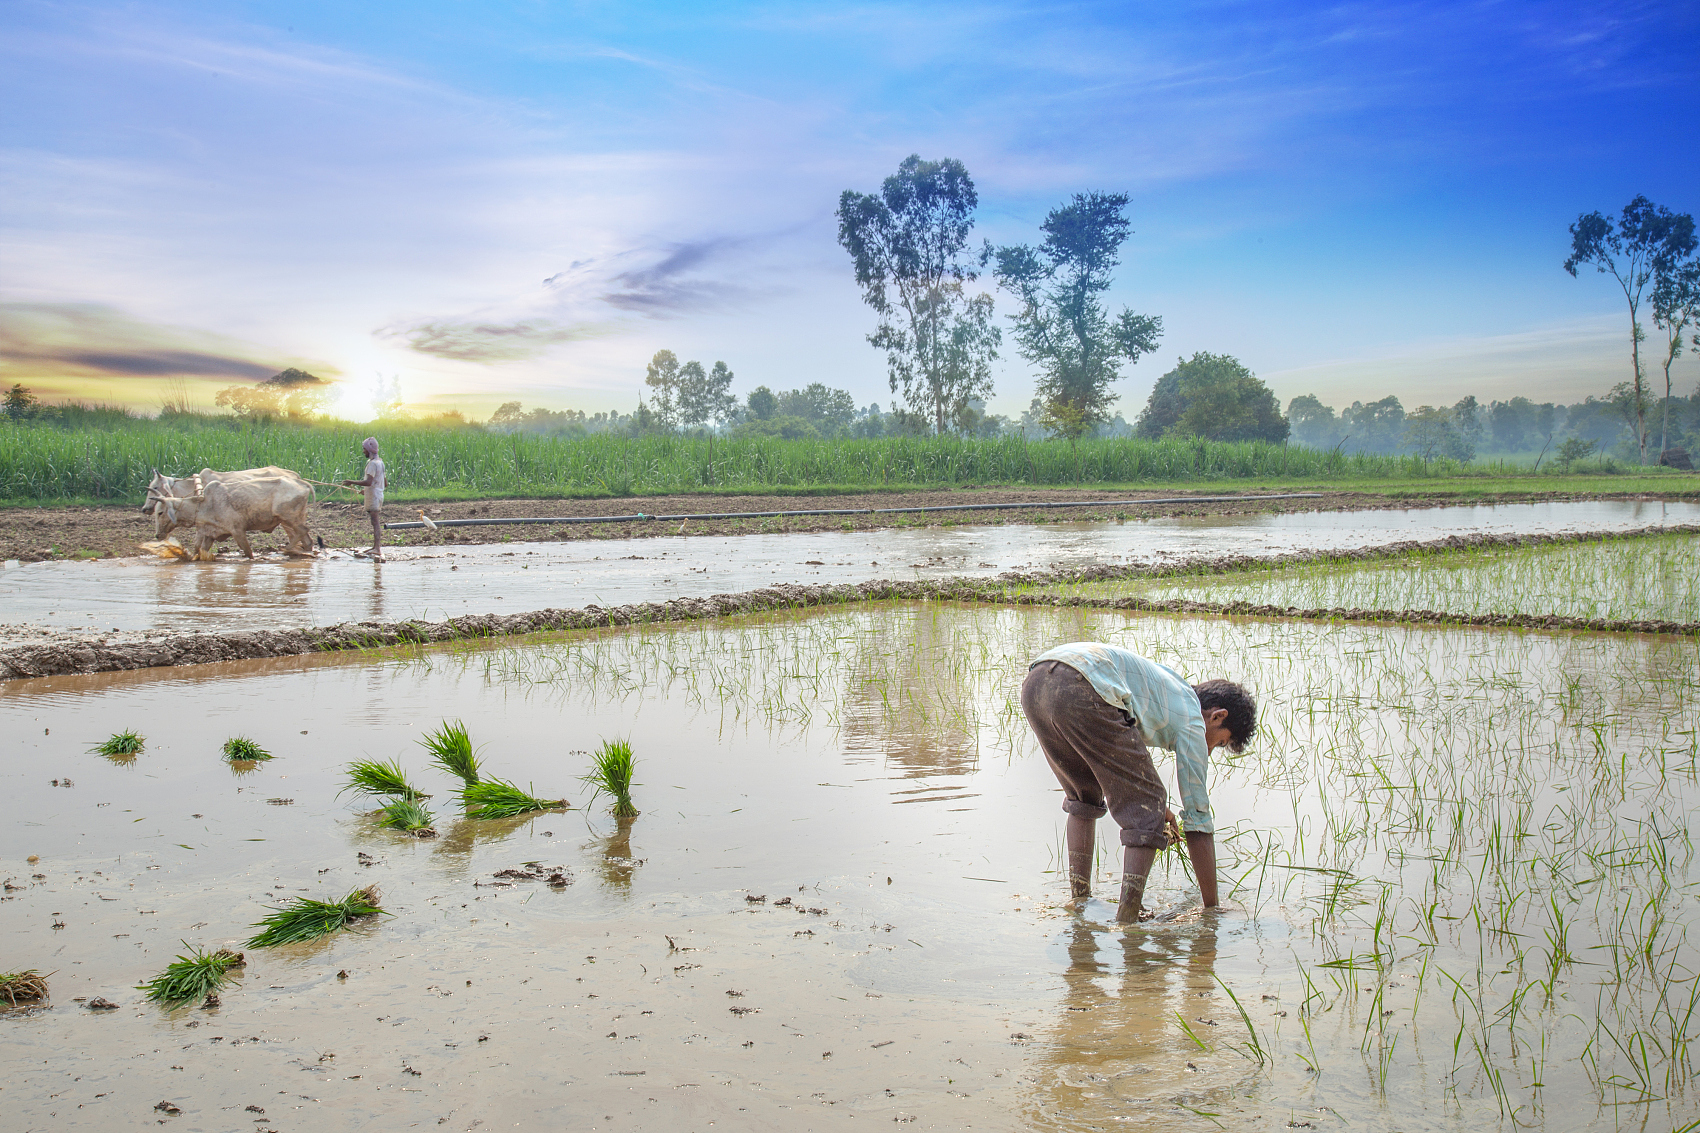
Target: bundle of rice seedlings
[[369, 777], [611, 774], [27, 984], [451, 749], [125, 743], [192, 978], [307, 919], [409, 816], [497, 798], [238, 749]]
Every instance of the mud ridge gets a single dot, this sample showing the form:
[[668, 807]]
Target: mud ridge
[[61, 658]]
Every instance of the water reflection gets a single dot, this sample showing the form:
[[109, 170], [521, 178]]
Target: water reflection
[[614, 862], [905, 699], [1140, 1024]]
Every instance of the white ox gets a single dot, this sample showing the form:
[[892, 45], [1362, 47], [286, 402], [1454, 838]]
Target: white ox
[[228, 505]]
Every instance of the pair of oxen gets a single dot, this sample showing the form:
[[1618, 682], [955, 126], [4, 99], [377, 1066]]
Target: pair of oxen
[[222, 506]]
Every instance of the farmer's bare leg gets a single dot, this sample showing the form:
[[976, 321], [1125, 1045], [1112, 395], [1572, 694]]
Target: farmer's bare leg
[[377, 533], [1202, 849], [1136, 867], [1082, 832]]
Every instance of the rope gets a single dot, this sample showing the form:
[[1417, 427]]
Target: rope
[[323, 484]]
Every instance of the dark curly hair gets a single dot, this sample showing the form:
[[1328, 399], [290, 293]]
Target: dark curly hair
[[1241, 720]]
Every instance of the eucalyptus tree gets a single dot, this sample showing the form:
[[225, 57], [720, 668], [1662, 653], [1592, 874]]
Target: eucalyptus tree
[[908, 243], [1062, 326], [1644, 243], [1676, 308]]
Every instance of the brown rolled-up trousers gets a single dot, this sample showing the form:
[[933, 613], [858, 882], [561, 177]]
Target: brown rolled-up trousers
[[1097, 753]]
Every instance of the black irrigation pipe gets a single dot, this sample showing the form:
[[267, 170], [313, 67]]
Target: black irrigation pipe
[[707, 515]]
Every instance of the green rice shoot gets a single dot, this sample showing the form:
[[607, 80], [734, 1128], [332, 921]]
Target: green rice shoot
[[497, 798], [191, 978], [370, 777], [451, 749], [27, 984], [307, 919], [121, 744], [407, 815], [240, 749], [611, 774]]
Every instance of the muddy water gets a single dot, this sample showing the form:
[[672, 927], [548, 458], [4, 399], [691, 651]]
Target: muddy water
[[866, 763], [436, 584]]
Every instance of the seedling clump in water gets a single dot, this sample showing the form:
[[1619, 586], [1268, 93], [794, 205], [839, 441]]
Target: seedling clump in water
[[122, 744], [27, 984], [497, 798], [451, 749], [370, 777], [611, 773], [192, 978], [307, 919], [238, 749], [408, 815]]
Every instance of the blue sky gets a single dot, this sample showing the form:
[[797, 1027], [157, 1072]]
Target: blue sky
[[526, 201]]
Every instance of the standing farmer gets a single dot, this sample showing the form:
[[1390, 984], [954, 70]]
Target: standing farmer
[[1095, 708], [372, 486]]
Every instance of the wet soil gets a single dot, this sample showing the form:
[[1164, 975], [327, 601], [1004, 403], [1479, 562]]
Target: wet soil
[[38, 534], [31, 651]]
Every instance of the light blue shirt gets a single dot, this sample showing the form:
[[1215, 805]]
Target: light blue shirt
[[1162, 705]]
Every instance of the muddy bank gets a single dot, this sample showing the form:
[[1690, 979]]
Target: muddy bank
[[67, 653], [37, 534]]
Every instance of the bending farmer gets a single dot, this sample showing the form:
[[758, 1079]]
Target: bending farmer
[[372, 487], [1095, 708]]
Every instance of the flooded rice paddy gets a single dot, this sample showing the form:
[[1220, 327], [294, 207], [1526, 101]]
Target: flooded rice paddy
[[1462, 888], [1654, 578], [437, 583]]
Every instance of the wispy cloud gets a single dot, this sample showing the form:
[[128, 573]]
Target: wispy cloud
[[89, 340], [493, 342]]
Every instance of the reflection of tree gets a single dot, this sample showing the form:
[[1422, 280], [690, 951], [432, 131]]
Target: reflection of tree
[[1117, 1045], [616, 865], [909, 691]]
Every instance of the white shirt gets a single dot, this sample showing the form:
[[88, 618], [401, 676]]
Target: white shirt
[[374, 492]]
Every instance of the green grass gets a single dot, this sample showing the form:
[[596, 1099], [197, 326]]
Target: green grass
[[611, 774], [497, 798], [307, 919], [1650, 578], [242, 749], [40, 464], [121, 744], [191, 978], [25, 984], [371, 777], [407, 815], [451, 750]]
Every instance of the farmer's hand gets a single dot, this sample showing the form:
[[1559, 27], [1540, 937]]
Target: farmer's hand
[[1172, 826]]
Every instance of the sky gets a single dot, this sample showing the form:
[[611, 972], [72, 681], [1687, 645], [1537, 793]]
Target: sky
[[525, 201]]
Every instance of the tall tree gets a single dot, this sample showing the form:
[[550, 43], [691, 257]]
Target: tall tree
[[1646, 241], [907, 242], [704, 397], [1215, 397], [1062, 326], [662, 376], [1676, 307]]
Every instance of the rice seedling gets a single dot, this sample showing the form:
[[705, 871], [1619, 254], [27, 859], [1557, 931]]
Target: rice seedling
[[27, 984], [611, 774], [121, 745], [451, 750], [241, 749], [370, 777], [407, 815], [307, 919], [498, 798], [194, 977]]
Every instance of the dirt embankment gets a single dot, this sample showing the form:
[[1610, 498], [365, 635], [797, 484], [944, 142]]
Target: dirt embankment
[[35, 534], [149, 651]]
